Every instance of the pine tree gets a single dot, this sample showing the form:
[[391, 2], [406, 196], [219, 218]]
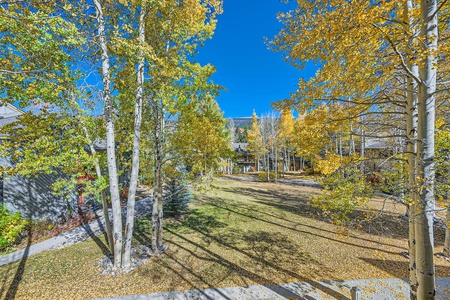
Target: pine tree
[[176, 197], [237, 134], [244, 136]]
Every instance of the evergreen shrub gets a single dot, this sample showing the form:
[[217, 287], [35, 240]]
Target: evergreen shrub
[[176, 197]]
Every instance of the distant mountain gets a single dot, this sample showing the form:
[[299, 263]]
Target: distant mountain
[[242, 121]]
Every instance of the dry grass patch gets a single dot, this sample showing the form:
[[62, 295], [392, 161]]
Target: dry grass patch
[[240, 234]]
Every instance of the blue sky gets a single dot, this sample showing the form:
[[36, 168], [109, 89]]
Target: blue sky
[[253, 75]]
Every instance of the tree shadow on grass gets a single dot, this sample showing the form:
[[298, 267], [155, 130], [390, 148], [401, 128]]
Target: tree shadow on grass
[[14, 286], [102, 245], [386, 225], [246, 274], [399, 269], [195, 220], [263, 248], [251, 215]]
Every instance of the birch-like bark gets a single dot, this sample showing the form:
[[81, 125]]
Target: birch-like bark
[[158, 201], [425, 153], [363, 145], [288, 154], [336, 145], [276, 164], [99, 175], [110, 138], [411, 148], [129, 227], [352, 141], [447, 233], [411, 134], [103, 194]]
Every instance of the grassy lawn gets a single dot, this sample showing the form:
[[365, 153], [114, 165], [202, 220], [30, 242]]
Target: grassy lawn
[[240, 234]]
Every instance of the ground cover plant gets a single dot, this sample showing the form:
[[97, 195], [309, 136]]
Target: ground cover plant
[[239, 234], [10, 227]]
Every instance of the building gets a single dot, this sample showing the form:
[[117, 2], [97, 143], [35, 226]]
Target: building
[[245, 161], [32, 196]]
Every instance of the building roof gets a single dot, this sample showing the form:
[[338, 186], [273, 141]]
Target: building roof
[[240, 147], [376, 143], [8, 110], [9, 113]]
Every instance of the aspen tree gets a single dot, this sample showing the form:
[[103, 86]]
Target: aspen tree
[[286, 127], [255, 140], [367, 46]]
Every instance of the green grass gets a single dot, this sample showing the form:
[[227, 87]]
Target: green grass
[[240, 234]]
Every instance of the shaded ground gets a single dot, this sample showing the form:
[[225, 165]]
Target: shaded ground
[[240, 234]]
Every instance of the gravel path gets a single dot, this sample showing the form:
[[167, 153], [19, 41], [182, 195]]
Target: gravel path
[[76, 235], [377, 288]]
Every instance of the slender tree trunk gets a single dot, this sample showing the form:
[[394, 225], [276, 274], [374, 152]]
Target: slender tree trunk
[[447, 232], [363, 145], [110, 138], [288, 154], [158, 201], [411, 128], [352, 141], [276, 164], [336, 145], [411, 147], [103, 194], [129, 227], [425, 153]]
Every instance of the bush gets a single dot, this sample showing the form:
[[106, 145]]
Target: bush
[[10, 227], [344, 190], [262, 176], [176, 197]]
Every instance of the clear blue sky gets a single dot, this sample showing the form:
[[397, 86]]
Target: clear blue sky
[[253, 75]]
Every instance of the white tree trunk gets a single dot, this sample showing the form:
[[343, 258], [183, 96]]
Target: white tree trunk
[[103, 195], [158, 201], [411, 148], [411, 128], [129, 227], [110, 138], [336, 145], [276, 164], [425, 153], [352, 141], [289, 160], [447, 232], [363, 149]]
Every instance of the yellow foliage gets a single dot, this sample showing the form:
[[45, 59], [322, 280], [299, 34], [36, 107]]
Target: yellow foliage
[[330, 164]]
